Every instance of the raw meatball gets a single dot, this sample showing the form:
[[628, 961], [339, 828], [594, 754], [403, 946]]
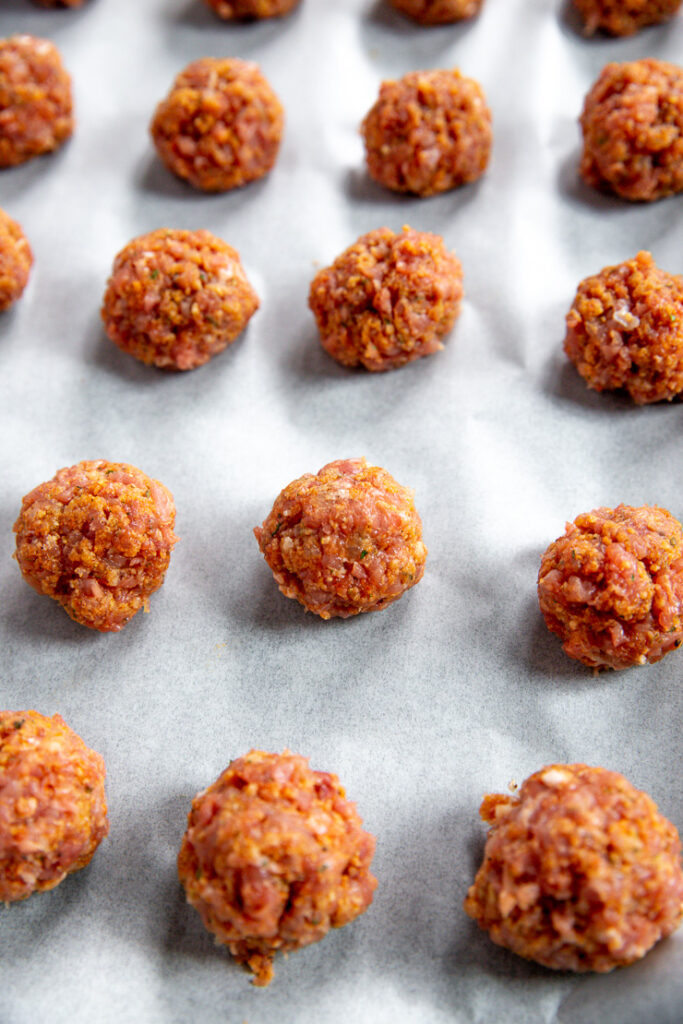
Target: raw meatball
[[428, 132], [220, 126], [35, 99], [438, 12], [581, 872], [16, 260], [53, 811], [632, 124], [625, 330], [273, 857], [251, 8], [612, 586], [624, 17], [388, 299], [344, 541], [177, 298], [98, 539]]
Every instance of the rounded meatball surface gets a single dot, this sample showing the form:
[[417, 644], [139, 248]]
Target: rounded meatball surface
[[98, 539], [344, 541], [428, 132], [35, 99], [230, 9], [53, 810], [273, 857], [624, 17], [438, 12], [388, 299], [581, 872], [220, 125], [16, 260], [612, 587], [632, 125], [625, 330], [177, 298]]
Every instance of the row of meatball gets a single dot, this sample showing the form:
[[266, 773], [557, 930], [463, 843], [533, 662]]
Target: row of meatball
[[177, 298], [580, 872], [221, 124], [606, 15], [98, 538]]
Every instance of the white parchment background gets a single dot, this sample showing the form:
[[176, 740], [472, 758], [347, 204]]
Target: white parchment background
[[423, 708]]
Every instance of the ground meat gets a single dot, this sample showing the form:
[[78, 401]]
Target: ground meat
[[581, 872], [632, 124], [35, 99], [438, 12], [273, 857], [59, 3], [388, 299], [625, 330], [177, 298], [624, 17], [344, 541], [53, 811], [252, 8], [612, 586], [98, 539], [428, 132], [220, 125], [16, 260]]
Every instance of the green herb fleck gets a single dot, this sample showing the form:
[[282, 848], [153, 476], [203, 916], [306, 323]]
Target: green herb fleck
[[18, 724], [276, 528], [154, 274], [214, 323], [197, 872], [202, 275], [148, 493], [672, 542], [363, 553]]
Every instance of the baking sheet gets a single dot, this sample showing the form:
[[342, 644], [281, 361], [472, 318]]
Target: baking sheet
[[421, 709]]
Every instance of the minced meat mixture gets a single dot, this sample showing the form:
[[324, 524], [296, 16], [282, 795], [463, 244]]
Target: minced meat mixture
[[388, 299], [612, 587], [581, 872], [53, 810], [625, 330], [35, 99], [438, 12], [220, 125], [97, 538], [16, 260], [624, 17], [345, 540], [428, 132], [252, 8], [632, 125], [177, 298], [273, 857]]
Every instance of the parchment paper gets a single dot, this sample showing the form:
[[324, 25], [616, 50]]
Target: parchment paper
[[421, 709]]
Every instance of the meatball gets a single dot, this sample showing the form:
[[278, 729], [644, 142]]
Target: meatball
[[612, 587], [438, 12], [230, 9], [624, 17], [220, 125], [273, 857], [53, 811], [388, 299], [98, 539], [428, 132], [344, 541], [632, 124], [625, 330], [35, 99], [581, 872], [16, 260], [177, 298]]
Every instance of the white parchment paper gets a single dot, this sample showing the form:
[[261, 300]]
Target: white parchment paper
[[450, 693]]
